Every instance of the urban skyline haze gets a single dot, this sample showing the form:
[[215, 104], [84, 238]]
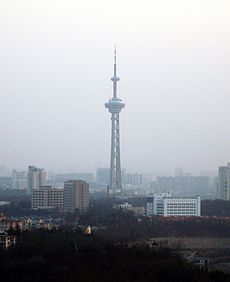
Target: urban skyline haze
[[56, 63]]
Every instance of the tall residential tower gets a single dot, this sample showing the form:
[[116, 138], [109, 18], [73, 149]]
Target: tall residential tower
[[36, 178], [224, 183], [114, 106]]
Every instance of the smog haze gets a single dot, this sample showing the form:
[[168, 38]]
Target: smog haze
[[56, 64]]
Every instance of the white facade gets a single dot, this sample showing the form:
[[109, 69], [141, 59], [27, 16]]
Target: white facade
[[47, 197], [165, 205], [181, 206], [155, 204], [37, 177], [123, 206]]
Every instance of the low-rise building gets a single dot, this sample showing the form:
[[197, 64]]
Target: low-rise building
[[6, 241], [137, 210], [165, 205], [122, 206], [129, 207], [4, 225]]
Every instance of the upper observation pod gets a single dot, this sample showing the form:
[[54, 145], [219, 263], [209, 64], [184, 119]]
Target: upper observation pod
[[115, 105], [115, 78]]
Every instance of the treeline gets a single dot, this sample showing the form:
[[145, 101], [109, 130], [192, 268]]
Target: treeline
[[18, 208], [125, 227], [215, 208], [73, 256]]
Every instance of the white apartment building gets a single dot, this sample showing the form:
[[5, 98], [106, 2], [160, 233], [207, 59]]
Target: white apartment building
[[165, 205], [37, 177], [47, 197], [76, 195]]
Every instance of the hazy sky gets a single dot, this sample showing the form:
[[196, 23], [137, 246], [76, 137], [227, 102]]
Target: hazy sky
[[55, 66]]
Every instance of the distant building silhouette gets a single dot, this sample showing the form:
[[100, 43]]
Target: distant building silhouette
[[102, 175], [19, 180], [184, 186], [133, 179], [224, 182]]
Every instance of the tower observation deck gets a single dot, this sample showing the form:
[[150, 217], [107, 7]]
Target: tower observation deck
[[115, 106]]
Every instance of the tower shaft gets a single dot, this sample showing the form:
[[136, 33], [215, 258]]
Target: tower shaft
[[115, 162]]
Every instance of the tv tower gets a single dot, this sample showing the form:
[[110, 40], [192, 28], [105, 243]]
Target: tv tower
[[114, 106]]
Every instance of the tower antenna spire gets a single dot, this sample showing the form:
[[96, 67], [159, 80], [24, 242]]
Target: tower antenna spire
[[115, 79], [115, 54], [115, 62]]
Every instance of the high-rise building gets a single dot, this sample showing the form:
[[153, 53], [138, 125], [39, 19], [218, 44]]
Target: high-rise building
[[184, 186], [224, 182], [37, 177], [115, 106], [47, 197], [19, 180], [102, 175], [76, 195], [133, 179]]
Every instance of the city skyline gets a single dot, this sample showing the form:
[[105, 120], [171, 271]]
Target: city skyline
[[174, 78], [92, 189]]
